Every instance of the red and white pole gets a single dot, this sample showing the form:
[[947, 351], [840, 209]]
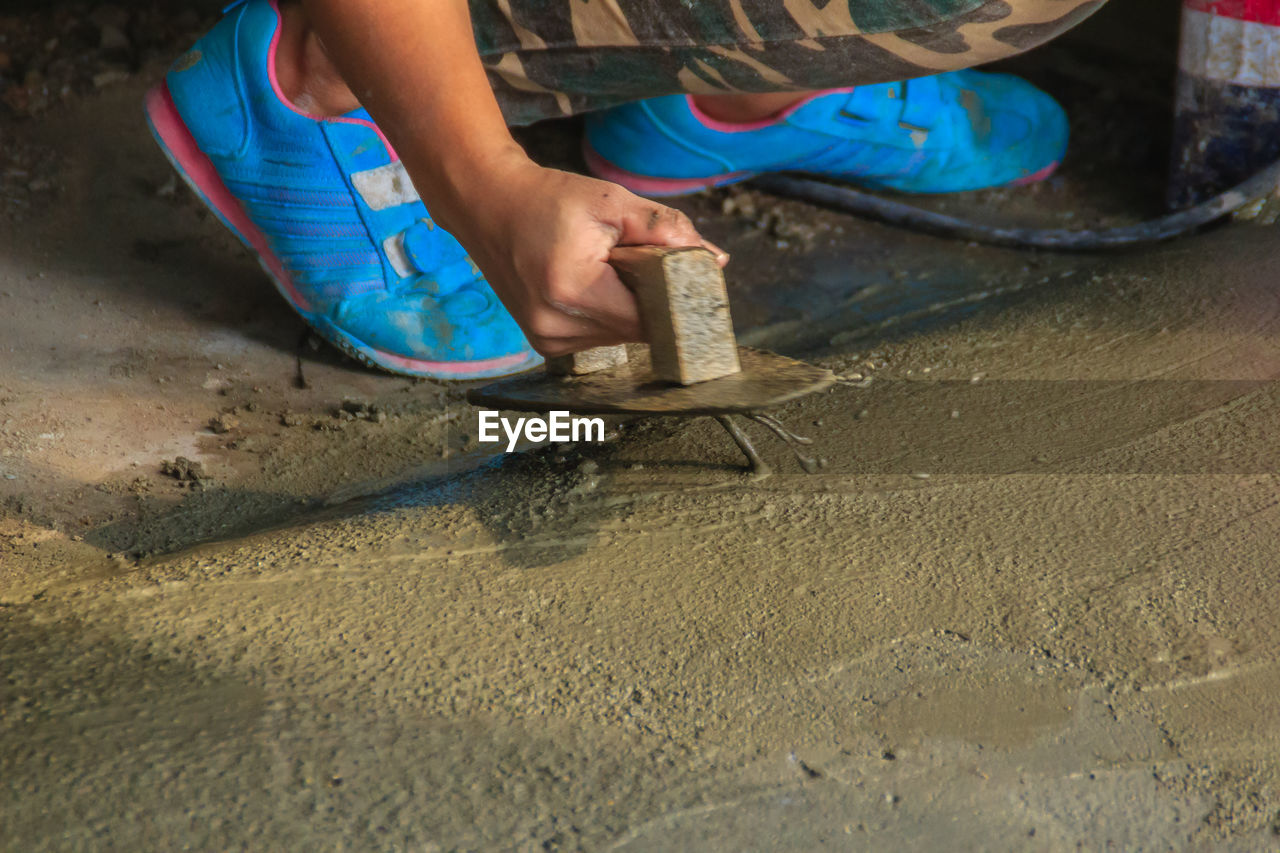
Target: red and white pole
[[1227, 123]]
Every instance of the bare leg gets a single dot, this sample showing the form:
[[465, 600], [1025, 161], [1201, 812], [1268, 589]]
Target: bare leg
[[737, 109], [307, 76]]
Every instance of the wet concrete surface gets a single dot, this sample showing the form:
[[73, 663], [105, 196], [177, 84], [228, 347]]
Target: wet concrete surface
[[1028, 604]]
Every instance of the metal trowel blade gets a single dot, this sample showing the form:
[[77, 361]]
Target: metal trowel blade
[[767, 380]]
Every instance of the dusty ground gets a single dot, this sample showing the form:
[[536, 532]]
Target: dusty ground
[[1029, 604]]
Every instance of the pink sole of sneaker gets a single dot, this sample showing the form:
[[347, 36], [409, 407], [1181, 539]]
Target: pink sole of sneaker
[[1036, 177], [667, 187]]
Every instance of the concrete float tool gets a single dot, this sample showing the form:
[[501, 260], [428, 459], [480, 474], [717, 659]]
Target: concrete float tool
[[692, 365]]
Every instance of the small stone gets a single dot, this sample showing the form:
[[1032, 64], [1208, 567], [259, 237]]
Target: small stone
[[183, 469], [290, 419], [360, 410], [739, 204], [224, 423], [106, 78], [792, 232]]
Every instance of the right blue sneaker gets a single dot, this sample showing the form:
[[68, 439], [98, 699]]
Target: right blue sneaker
[[963, 130], [328, 209]]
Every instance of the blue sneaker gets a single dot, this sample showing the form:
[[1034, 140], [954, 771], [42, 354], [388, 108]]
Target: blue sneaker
[[328, 209], [964, 130]]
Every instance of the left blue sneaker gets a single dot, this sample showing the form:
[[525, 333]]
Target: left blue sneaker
[[329, 211], [963, 130]]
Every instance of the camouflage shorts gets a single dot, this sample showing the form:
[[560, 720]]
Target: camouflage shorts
[[551, 58]]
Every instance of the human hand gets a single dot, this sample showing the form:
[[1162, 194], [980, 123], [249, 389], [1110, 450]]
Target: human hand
[[542, 238]]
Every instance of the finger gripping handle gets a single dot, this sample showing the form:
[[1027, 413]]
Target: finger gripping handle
[[684, 310]]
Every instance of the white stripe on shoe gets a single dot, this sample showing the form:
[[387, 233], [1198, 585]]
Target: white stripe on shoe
[[394, 247], [385, 186]]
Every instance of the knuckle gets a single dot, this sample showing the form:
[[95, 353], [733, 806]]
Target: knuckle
[[677, 224]]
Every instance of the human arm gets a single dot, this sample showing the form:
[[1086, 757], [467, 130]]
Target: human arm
[[541, 236]]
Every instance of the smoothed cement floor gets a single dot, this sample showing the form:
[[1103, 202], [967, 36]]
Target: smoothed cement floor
[[1028, 604]]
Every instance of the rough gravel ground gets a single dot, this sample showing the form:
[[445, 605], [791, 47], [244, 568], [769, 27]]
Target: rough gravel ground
[[254, 597]]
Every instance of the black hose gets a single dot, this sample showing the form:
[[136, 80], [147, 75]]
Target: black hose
[[848, 200]]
